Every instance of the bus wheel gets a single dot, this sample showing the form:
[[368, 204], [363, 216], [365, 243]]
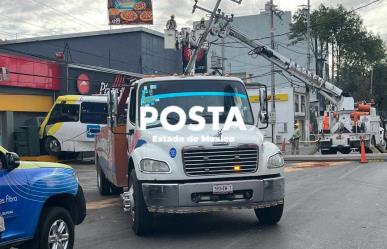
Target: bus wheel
[[52, 146]]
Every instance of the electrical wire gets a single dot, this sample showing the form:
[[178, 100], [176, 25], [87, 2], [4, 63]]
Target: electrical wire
[[366, 5], [292, 50], [66, 14]]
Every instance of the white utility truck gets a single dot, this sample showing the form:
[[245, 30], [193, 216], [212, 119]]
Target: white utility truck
[[213, 168]]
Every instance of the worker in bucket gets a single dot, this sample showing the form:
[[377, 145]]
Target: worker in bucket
[[171, 24], [295, 140]]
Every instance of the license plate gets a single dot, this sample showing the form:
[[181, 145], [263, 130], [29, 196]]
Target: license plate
[[222, 189]]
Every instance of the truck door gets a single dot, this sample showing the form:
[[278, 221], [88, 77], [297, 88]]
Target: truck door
[[132, 110], [14, 186]]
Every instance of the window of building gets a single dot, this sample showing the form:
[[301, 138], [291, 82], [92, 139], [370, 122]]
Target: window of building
[[302, 103], [297, 103]]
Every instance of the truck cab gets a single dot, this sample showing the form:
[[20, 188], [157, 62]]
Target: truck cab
[[39, 203], [187, 153]]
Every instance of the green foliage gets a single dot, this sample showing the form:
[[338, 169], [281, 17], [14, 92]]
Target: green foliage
[[353, 50]]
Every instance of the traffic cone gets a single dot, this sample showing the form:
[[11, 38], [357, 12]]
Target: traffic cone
[[363, 156], [283, 147]]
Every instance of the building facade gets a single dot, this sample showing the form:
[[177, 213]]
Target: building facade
[[44, 68]]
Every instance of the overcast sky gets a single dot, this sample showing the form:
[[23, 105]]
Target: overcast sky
[[28, 18]]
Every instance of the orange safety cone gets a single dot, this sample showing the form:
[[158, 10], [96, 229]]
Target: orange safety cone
[[283, 147], [363, 156]]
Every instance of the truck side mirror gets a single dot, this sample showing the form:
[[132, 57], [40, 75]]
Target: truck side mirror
[[263, 108], [112, 99], [12, 161]]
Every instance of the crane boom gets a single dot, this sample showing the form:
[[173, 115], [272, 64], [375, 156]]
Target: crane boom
[[327, 89]]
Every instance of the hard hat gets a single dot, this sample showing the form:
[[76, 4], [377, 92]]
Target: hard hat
[[173, 15], [203, 19]]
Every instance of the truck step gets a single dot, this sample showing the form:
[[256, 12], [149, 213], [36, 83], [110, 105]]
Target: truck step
[[126, 201]]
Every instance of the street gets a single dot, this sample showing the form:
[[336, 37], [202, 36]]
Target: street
[[327, 205]]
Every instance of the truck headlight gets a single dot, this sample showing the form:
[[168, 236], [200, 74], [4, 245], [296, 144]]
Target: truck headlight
[[153, 166], [276, 161]]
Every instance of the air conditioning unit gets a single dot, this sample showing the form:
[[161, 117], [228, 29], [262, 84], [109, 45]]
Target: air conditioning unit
[[4, 74]]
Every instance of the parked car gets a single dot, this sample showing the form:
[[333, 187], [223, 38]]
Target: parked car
[[40, 203]]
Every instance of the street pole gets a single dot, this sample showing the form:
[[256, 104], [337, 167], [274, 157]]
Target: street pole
[[372, 81], [223, 60], [307, 90], [273, 112], [191, 64]]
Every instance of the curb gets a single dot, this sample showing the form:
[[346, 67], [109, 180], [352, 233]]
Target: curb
[[333, 158]]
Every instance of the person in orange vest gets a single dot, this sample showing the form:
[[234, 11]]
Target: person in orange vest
[[326, 123]]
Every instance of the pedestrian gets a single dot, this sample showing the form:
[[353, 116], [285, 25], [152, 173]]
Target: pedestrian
[[295, 140]]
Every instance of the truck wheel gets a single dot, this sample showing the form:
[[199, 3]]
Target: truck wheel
[[271, 215], [52, 146], [116, 190], [103, 184], [140, 217], [56, 230], [345, 151]]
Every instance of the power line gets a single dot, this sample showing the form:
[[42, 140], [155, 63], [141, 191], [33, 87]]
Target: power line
[[256, 39], [66, 14], [366, 5], [292, 50]]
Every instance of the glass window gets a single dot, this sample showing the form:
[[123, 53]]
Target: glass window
[[187, 94], [64, 113], [132, 112], [94, 113], [297, 102]]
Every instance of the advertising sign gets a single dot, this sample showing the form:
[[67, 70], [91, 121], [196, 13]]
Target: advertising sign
[[25, 72], [130, 12], [201, 60]]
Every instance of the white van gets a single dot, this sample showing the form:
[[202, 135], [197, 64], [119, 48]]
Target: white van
[[72, 123]]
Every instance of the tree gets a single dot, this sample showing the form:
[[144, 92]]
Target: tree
[[340, 35]]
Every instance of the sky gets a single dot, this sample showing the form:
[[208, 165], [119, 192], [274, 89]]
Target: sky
[[30, 18]]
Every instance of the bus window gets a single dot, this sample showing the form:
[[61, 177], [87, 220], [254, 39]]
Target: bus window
[[64, 113], [94, 113]]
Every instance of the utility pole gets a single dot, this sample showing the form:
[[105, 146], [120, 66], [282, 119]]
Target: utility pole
[[307, 89], [223, 59], [202, 39], [273, 112], [372, 81]]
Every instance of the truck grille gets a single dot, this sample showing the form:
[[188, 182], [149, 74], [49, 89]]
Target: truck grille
[[219, 161]]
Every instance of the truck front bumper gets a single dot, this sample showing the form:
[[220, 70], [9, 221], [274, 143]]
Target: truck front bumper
[[192, 197]]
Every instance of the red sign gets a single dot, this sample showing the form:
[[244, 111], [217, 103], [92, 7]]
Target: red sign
[[83, 84], [30, 73]]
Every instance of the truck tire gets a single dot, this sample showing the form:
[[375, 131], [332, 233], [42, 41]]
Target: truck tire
[[56, 223], [345, 151], [52, 146], [103, 184], [271, 215], [140, 217]]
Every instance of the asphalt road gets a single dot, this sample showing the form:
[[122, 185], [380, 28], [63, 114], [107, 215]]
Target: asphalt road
[[327, 205]]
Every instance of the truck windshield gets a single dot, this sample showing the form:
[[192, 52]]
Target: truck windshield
[[187, 94]]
